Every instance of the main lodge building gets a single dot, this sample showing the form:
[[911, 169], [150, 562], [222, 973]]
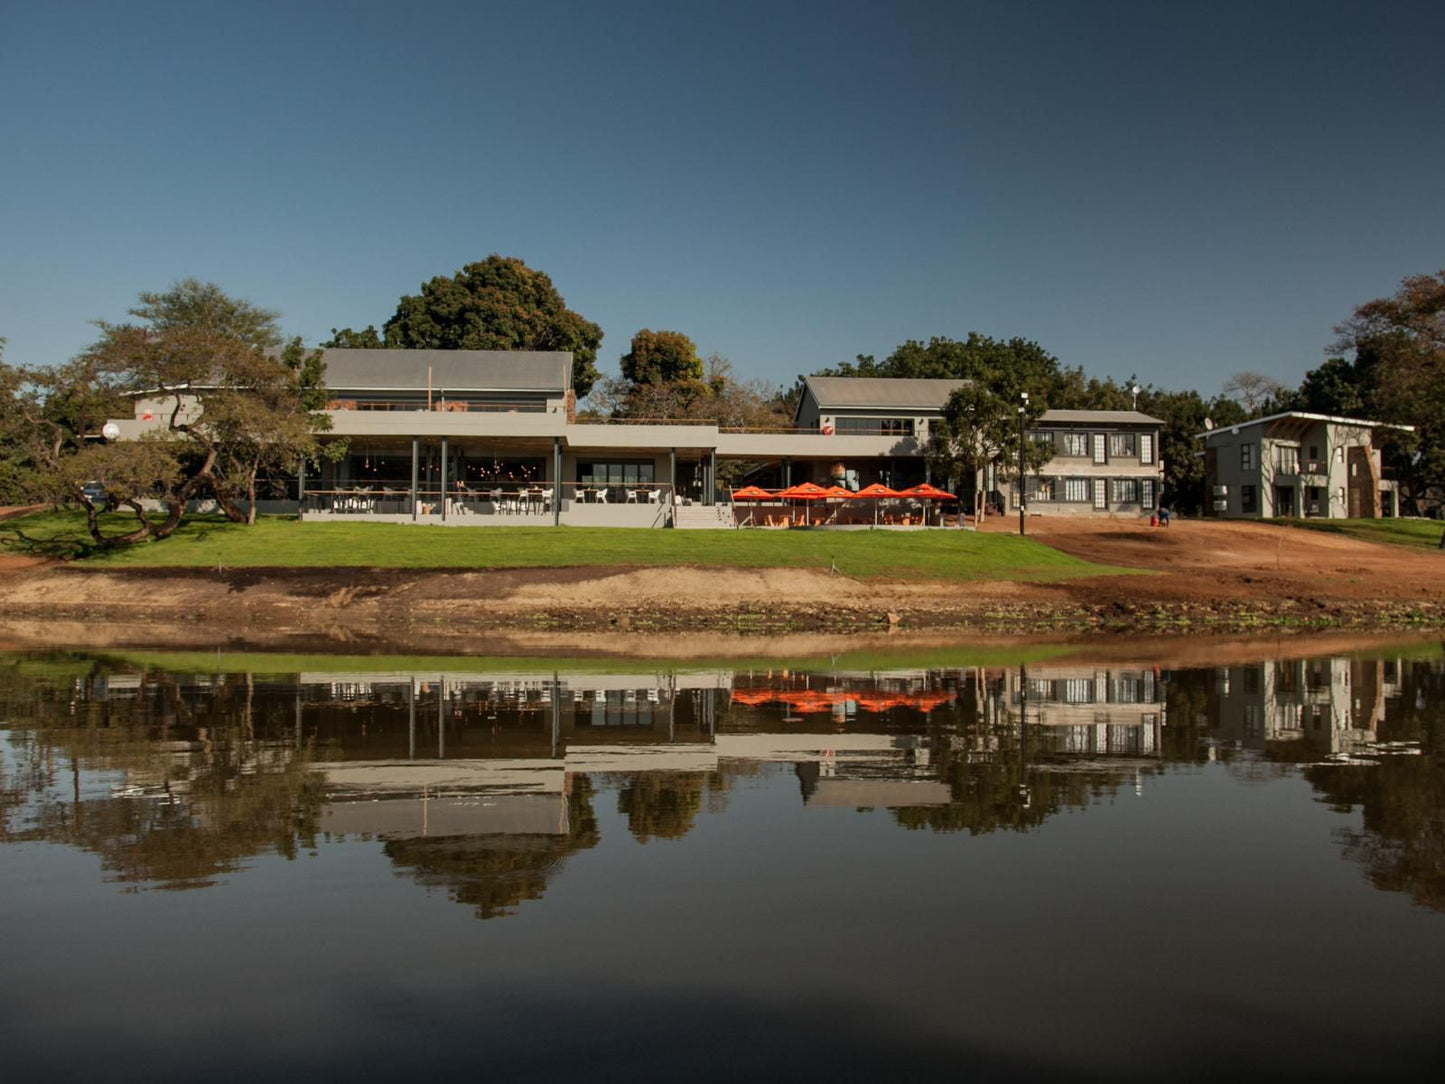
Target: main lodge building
[[476, 437]]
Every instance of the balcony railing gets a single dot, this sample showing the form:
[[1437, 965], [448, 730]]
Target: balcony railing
[[481, 499]]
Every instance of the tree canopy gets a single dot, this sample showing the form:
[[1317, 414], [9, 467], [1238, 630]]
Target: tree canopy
[[232, 407], [661, 357], [495, 304], [1398, 372], [1006, 366], [978, 427]]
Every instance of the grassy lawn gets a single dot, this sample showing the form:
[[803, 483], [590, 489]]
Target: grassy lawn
[[1400, 532], [280, 541]]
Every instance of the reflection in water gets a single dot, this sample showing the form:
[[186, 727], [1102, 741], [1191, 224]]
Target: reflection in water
[[485, 784]]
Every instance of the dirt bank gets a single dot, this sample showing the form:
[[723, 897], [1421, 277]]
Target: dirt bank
[[1200, 576]]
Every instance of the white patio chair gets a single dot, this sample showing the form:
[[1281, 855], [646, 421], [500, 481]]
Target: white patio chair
[[602, 496], [654, 496], [632, 496]]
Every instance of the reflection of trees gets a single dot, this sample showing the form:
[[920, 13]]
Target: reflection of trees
[[665, 804], [195, 792], [496, 873], [1402, 842], [999, 781]]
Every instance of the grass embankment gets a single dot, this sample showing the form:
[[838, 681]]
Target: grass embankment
[[79, 663], [283, 542], [1423, 533]]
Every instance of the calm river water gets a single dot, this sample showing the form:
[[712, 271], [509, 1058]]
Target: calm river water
[[850, 868]]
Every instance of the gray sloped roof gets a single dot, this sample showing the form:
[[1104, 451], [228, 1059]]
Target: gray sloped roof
[[451, 370], [1098, 417], [881, 391]]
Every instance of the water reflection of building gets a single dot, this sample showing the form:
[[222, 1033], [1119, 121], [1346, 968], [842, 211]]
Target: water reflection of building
[[1091, 712], [1320, 707]]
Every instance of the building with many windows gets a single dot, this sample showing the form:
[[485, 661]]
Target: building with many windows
[[1105, 461], [1298, 464], [476, 437]]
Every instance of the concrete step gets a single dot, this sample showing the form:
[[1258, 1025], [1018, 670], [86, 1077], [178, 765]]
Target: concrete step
[[700, 517]]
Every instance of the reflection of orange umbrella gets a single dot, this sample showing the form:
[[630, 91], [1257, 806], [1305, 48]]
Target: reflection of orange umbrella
[[877, 703], [929, 701], [751, 493], [807, 700], [752, 697]]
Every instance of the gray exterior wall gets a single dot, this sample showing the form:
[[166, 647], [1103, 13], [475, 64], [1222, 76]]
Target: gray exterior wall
[[1137, 472], [1295, 466]]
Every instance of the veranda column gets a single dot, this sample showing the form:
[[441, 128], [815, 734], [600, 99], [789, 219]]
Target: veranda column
[[556, 481], [445, 491], [710, 477], [414, 452]]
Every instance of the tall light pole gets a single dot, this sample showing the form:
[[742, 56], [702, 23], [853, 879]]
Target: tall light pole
[[1023, 408]]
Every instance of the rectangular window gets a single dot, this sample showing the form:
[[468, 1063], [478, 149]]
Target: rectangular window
[[887, 427], [1076, 489], [1146, 447], [1100, 493], [1125, 490], [1099, 448], [1045, 437], [1246, 457], [600, 473], [1074, 444], [1288, 462], [1248, 500], [1121, 445], [1146, 492], [1041, 489]]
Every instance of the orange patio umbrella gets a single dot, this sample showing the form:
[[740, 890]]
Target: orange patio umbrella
[[751, 493], [806, 491], [876, 492], [925, 492]]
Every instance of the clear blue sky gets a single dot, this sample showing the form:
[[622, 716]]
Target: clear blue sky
[[1181, 193]]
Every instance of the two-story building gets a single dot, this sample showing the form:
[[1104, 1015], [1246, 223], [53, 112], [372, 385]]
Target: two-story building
[[1105, 461], [1297, 464]]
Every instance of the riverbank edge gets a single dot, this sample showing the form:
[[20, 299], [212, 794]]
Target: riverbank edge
[[222, 612]]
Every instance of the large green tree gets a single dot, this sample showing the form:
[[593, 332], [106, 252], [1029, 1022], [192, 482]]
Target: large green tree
[[1398, 348], [231, 409], [495, 304], [977, 427], [662, 357], [1007, 366]]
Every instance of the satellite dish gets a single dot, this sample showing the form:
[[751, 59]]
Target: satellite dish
[[1209, 425], [110, 430]]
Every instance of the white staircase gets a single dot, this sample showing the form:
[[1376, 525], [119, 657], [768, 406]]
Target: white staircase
[[702, 517]]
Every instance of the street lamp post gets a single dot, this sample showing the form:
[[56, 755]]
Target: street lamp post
[[1023, 409]]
